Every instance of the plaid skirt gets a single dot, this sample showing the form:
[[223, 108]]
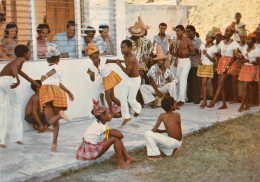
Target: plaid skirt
[[223, 62], [88, 151], [205, 71], [111, 80], [249, 73], [54, 94]]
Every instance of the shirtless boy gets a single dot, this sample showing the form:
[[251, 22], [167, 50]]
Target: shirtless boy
[[132, 84], [155, 140], [185, 49], [33, 114], [10, 106]]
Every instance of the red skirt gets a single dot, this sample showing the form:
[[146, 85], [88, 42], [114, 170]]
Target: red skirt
[[88, 151], [249, 73], [222, 64]]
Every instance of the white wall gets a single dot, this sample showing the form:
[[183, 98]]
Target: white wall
[[153, 15], [75, 78]]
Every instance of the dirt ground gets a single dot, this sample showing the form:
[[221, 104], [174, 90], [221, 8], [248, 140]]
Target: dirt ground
[[227, 151]]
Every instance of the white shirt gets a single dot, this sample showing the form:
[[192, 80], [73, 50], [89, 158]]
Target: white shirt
[[210, 51], [54, 79], [94, 133], [251, 56], [228, 50], [104, 69]]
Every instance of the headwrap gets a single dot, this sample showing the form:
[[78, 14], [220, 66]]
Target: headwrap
[[252, 35], [214, 31], [52, 50], [92, 50], [98, 109]]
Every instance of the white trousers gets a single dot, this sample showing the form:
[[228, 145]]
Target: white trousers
[[10, 111], [155, 141], [183, 68], [129, 92], [148, 91]]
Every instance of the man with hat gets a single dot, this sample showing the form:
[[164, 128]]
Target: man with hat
[[141, 45], [161, 78]]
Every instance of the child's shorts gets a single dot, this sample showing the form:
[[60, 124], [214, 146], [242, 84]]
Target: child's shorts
[[88, 151]]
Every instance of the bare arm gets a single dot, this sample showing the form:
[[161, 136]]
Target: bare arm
[[67, 91], [25, 76], [15, 73], [128, 67], [50, 73], [159, 121], [114, 61], [91, 74], [35, 106], [115, 133]]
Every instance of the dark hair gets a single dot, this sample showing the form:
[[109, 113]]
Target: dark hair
[[53, 59], [98, 117], [9, 26], [21, 50], [237, 13], [33, 87], [192, 28], [167, 103], [70, 23], [128, 43], [90, 29], [180, 27], [197, 34], [253, 39], [163, 25], [42, 26], [102, 27]]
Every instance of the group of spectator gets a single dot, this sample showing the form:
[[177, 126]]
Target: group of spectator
[[66, 41]]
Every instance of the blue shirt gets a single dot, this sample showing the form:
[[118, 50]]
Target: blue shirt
[[65, 45]]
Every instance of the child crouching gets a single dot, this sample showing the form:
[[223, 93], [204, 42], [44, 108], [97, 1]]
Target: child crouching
[[170, 144], [94, 145]]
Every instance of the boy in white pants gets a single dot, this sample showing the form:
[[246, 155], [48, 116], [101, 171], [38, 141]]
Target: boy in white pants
[[170, 143]]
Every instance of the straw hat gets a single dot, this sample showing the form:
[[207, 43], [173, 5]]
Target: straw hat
[[52, 50], [159, 54], [136, 30], [142, 25]]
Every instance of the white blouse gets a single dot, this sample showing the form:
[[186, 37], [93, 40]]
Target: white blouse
[[54, 79], [210, 51], [251, 56], [228, 50]]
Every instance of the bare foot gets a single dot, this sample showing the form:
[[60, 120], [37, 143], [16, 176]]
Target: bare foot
[[126, 121], [247, 108], [203, 105], [2, 146], [136, 115], [180, 103], [132, 159], [211, 105], [54, 148], [223, 107], [155, 158], [124, 165], [155, 104], [176, 151], [63, 116], [48, 130], [19, 143], [240, 109]]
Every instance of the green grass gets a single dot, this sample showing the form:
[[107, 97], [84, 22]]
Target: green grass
[[227, 151]]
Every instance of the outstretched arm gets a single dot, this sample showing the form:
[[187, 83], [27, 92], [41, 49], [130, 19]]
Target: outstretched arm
[[114, 61], [26, 77]]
